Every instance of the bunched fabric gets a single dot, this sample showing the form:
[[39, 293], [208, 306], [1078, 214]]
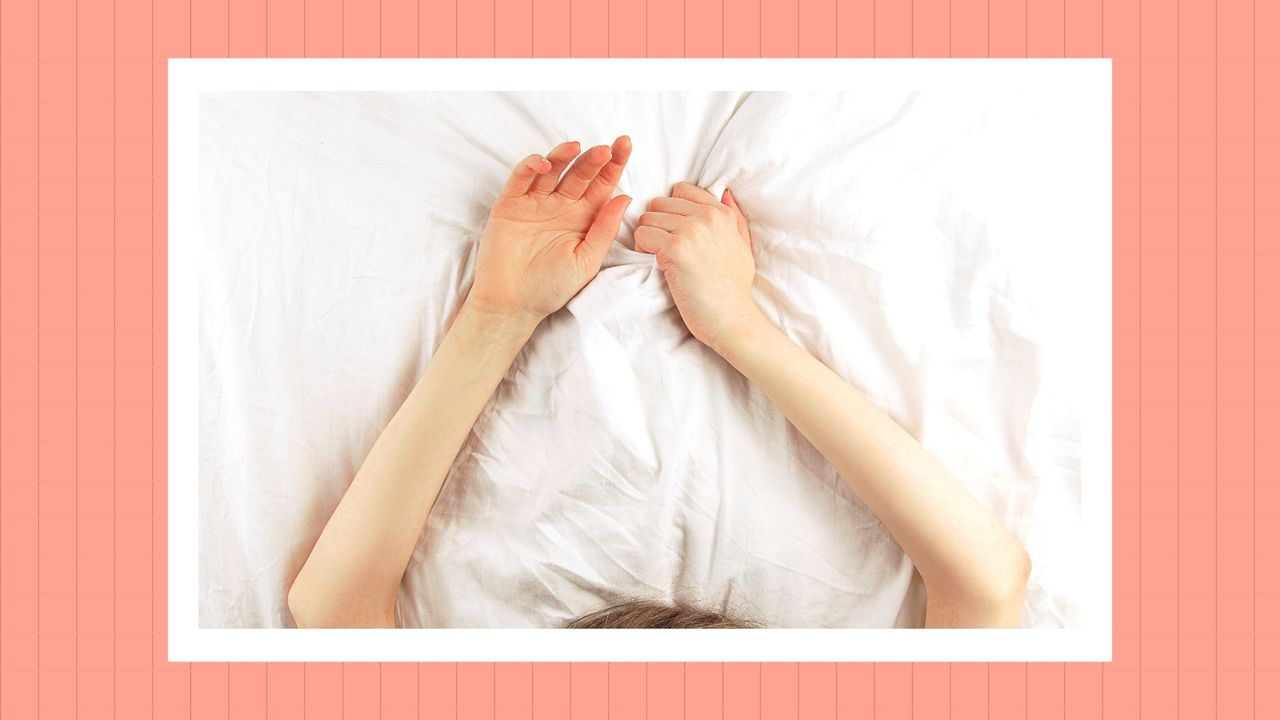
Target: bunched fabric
[[897, 240]]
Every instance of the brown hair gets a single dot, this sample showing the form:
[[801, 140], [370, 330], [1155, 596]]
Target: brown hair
[[649, 614]]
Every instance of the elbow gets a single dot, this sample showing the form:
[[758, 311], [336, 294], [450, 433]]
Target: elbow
[[1006, 592], [990, 598], [299, 605], [305, 607], [312, 610], [1015, 590]]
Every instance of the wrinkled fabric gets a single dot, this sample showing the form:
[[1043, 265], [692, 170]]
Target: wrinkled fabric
[[620, 458]]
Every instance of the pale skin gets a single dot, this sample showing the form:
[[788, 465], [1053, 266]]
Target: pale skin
[[546, 237]]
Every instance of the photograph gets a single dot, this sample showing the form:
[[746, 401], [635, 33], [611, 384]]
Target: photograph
[[648, 359]]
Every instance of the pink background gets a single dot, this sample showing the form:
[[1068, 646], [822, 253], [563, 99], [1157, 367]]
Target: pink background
[[82, 342]]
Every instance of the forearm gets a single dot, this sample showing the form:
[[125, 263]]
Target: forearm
[[974, 570], [353, 573]]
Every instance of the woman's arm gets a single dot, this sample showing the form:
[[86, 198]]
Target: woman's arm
[[974, 570], [545, 239], [354, 571]]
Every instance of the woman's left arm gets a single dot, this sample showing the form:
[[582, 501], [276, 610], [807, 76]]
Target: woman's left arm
[[975, 571], [545, 239]]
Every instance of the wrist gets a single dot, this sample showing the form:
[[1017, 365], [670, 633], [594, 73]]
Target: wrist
[[740, 332], [495, 325]]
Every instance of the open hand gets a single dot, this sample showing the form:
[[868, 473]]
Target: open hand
[[547, 235], [703, 248]]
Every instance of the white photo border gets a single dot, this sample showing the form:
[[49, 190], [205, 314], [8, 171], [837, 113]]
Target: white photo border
[[189, 78]]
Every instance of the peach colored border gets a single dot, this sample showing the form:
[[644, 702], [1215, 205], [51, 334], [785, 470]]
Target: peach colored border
[[1197, 404]]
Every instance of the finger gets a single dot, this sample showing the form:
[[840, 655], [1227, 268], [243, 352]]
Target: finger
[[603, 231], [525, 173], [650, 239], [584, 170], [665, 221], [732, 202], [602, 187], [676, 206], [560, 157], [728, 199], [693, 193]]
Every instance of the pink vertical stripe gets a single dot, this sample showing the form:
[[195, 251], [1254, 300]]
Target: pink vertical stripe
[[628, 695], [1007, 27], [892, 690], [817, 693], [704, 698], [437, 690], [552, 25], [779, 691], [665, 689], [437, 28], [779, 28], [666, 28], [398, 28], [475, 29], [323, 34], [855, 28], [816, 28], [513, 690], [552, 691], [1266, 331], [589, 28], [628, 31], [361, 29], [704, 30], [970, 691], [893, 28], [742, 33], [1120, 682], [970, 30], [931, 30], [513, 36], [589, 690], [398, 694]]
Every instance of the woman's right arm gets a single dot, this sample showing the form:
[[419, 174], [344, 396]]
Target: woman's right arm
[[975, 572], [546, 237]]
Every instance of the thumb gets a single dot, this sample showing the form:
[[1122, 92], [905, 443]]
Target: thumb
[[728, 199], [603, 231]]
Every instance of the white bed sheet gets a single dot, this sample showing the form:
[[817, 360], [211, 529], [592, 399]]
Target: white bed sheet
[[900, 239]]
